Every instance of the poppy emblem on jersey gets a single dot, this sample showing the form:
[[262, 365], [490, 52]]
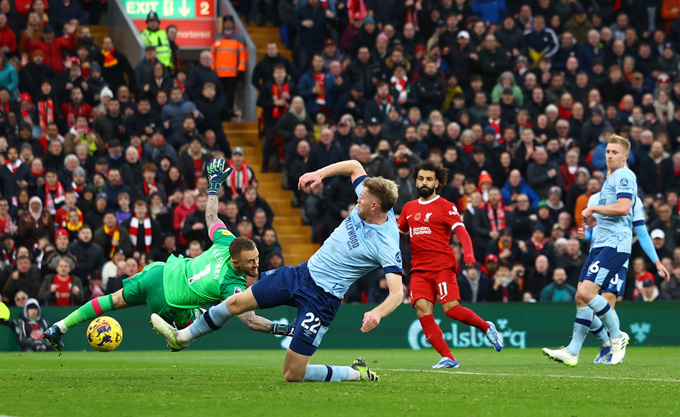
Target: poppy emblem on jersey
[[427, 217], [417, 217], [624, 182]]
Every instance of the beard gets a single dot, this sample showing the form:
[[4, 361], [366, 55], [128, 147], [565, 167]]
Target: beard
[[425, 192]]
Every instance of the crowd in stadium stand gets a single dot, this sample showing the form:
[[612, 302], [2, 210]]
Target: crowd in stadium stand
[[103, 164]]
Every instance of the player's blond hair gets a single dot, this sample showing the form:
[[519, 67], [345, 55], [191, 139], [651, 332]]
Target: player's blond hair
[[384, 190], [621, 141]]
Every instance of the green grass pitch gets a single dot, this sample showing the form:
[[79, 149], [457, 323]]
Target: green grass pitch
[[249, 383]]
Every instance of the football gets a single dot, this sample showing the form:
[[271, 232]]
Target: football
[[104, 334]]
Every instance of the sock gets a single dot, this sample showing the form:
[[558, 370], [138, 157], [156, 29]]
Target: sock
[[467, 316], [608, 316], [89, 311], [597, 328], [435, 337], [212, 320], [582, 324], [325, 373]]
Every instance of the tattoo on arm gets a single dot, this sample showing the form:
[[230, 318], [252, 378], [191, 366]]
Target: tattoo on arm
[[255, 322], [211, 212]]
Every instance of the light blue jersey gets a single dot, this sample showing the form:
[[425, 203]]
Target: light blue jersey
[[637, 215], [354, 249], [616, 231]]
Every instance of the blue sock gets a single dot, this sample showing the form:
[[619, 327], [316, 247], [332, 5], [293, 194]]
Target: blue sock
[[212, 320], [597, 328], [581, 326], [325, 373], [608, 316]]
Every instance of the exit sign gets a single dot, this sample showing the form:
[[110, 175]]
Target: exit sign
[[195, 19]]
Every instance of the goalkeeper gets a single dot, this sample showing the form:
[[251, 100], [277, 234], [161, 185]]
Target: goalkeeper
[[176, 289]]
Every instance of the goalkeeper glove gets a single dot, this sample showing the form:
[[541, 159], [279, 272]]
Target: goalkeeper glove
[[217, 174]]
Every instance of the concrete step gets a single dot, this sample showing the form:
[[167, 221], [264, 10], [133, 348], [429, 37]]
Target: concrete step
[[288, 229], [281, 220], [301, 247], [286, 239]]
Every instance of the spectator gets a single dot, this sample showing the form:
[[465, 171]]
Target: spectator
[[572, 261], [52, 47], [195, 227], [148, 185], [539, 276], [60, 251], [112, 237], [24, 277], [242, 177], [230, 57], [158, 148], [250, 202], [649, 292], [35, 219], [431, 88], [89, 255], [516, 186], [656, 170], [275, 100], [474, 285], [505, 288], [542, 173], [115, 66], [670, 290], [264, 70], [667, 225], [15, 175], [29, 327], [61, 289], [157, 38], [506, 249], [541, 41], [558, 290], [312, 20]]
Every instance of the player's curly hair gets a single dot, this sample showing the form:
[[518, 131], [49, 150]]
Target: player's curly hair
[[440, 173], [384, 190], [239, 245]]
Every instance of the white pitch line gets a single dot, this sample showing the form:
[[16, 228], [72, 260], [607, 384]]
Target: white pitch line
[[454, 372]]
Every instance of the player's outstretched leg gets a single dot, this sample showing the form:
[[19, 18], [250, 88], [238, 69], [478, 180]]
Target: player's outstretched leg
[[469, 317], [168, 331], [358, 371], [90, 310]]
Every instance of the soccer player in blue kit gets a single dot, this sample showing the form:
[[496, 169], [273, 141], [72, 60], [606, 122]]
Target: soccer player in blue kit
[[616, 286], [612, 240], [367, 239]]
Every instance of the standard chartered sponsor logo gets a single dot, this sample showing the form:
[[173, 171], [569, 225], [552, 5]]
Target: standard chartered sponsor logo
[[461, 336]]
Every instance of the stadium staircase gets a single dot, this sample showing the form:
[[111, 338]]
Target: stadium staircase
[[261, 36], [295, 238], [99, 32]]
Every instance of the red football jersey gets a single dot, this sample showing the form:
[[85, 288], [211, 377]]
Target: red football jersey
[[430, 225]]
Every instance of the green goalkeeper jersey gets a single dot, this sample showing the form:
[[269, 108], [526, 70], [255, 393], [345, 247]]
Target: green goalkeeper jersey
[[207, 279]]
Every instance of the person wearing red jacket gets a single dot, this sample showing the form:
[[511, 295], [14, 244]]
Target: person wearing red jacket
[[53, 47], [8, 40]]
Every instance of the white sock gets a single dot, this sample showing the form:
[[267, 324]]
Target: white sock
[[62, 326], [354, 375], [184, 336]]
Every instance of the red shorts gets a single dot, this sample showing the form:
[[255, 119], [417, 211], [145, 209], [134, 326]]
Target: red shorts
[[432, 284]]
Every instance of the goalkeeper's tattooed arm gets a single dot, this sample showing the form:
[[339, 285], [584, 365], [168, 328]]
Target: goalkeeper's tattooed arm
[[264, 325], [211, 212]]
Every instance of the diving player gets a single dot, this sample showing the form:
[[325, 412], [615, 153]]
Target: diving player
[[174, 289]]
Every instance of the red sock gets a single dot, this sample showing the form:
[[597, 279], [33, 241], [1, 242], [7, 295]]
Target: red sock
[[467, 316], [435, 337]]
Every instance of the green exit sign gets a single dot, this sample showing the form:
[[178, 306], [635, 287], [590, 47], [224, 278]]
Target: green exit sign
[[165, 9]]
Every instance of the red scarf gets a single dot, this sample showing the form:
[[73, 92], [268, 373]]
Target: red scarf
[[277, 91], [62, 296], [244, 174], [38, 173], [354, 6], [134, 228], [496, 124], [498, 216], [9, 258], [385, 108], [109, 59], [539, 245], [27, 117], [58, 198], [180, 86], [13, 167], [76, 189], [468, 148], [115, 234], [412, 14], [146, 187], [46, 112], [321, 82]]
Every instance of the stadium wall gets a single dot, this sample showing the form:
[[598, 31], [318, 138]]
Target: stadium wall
[[523, 326]]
